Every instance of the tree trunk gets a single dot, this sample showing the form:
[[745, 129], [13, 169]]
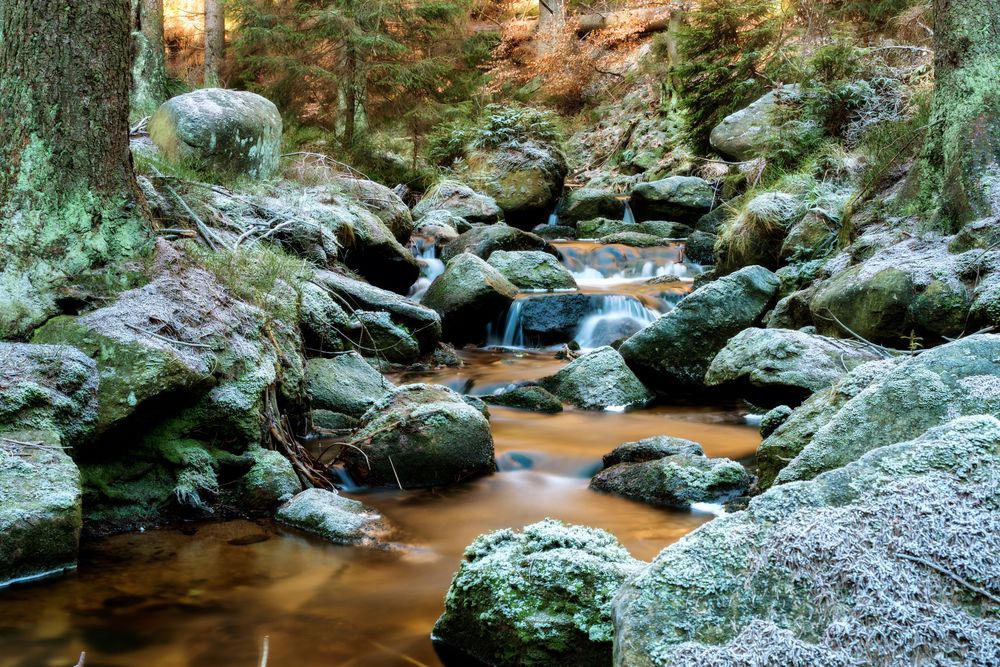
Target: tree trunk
[[149, 70], [551, 16], [215, 41], [959, 171], [351, 96], [68, 198]]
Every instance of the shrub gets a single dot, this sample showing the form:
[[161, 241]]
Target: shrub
[[497, 125]]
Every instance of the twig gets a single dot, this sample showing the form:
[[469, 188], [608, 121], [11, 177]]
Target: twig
[[888, 353], [265, 649], [951, 575], [168, 340], [139, 126], [83, 658], [394, 473]]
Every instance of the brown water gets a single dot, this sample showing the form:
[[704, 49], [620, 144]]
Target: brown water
[[205, 595]]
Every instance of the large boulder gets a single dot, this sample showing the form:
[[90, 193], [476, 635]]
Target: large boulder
[[598, 380], [420, 436], [532, 270], [538, 597], [670, 472], [334, 518], [48, 388], [524, 177], [961, 378], [40, 506], [555, 318], [382, 201], [270, 481], [775, 366], [785, 440], [683, 199], [589, 203], [910, 289], [355, 295], [742, 135], [484, 240], [887, 561], [675, 352], [345, 383], [231, 131], [460, 200], [469, 295]]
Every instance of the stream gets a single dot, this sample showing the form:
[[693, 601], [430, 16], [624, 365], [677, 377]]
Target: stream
[[206, 594]]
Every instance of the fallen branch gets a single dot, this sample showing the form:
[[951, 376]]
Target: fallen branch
[[83, 658], [951, 575], [169, 340]]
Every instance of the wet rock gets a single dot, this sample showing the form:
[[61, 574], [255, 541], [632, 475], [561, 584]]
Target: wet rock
[[911, 288], [532, 270], [774, 419], [652, 449], [960, 378], [380, 336], [48, 388], [774, 366], [534, 399], [589, 203], [333, 421], [484, 240], [443, 218], [524, 177], [382, 201], [422, 322], [555, 318], [675, 352], [469, 295], [420, 436], [674, 473], [230, 131], [597, 381], [682, 199], [601, 227], [798, 428], [335, 518], [270, 482], [555, 232], [835, 571], [742, 135], [700, 248], [538, 597], [345, 383], [460, 200], [40, 505], [633, 239]]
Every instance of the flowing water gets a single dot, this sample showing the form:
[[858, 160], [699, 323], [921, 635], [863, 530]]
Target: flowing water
[[207, 594]]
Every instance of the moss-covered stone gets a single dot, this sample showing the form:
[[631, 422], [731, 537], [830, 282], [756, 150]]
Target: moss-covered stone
[[537, 597], [532, 270], [530, 398], [588, 203], [597, 381], [345, 383], [460, 200], [40, 515], [334, 518], [270, 482], [681, 199], [484, 240], [469, 295]]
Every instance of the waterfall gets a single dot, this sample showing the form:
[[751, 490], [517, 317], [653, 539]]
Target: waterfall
[[431, 267], [629, 217], [619, 316], [511, 330], [554, 215]]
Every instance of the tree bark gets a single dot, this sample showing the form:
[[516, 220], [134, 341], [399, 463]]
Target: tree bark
[[68, 197], [215, 42], [959, 170], [351, 97], [149, 69], [551, 16]]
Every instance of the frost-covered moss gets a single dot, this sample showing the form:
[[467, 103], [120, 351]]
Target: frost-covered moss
[[823, 572], [538, 597], [334, 518]]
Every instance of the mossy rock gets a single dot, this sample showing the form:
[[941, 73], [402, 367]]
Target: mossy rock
[[334, 518], [469, 295], [588, 203], [460, 200], [270, 482], [345, 383], [532, 270], [530, 398], [541, 596], [683, 199], [597, 381]]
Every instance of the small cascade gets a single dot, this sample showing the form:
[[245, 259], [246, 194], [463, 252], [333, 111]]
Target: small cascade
[[619, 316], [510, 332], [592, 263], [431, 267], [554, 215], [628, 218]]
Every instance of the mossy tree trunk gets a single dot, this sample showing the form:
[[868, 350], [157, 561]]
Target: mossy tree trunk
[[959, 170], [215, 42], [149, 70], [68, 197]]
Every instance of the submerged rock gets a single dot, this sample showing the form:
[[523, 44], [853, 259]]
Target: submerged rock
[[224, 130], [532, 270], [345, 383], [670, 472], [48, 388], [538, 597], [846, 569], [675, 352], [484, 240], [531, 398], [420, 436], [336, 519], [774, 366], [460, 200], [597, 381], [469, 295], [682, 199], [40, 505]]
